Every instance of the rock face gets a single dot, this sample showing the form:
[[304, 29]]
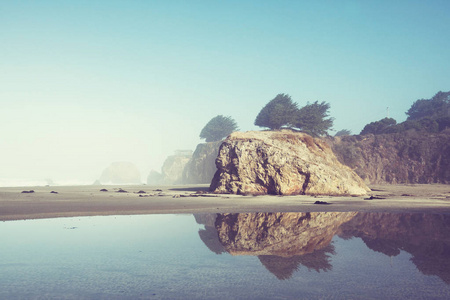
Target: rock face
[[121, 173], [408, 157], [172, 169], [281, 163], [201, 167]]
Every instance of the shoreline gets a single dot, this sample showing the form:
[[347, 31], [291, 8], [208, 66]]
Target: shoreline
[[78, 201]]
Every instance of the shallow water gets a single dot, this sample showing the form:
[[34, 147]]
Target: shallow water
[[227, 256]]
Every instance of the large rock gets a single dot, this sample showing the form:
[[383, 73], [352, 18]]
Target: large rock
[[121, 173], [407, 157], [201, 167], [282, 163]]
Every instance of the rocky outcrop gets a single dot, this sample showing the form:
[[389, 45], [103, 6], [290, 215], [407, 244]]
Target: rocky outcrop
[[407, 157], [121, 173], [282, 163], [201, 167]]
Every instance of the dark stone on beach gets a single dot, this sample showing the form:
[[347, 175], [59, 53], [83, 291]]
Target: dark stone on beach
[[53, 192], [27, 192], [103, 190], [374, 197], [121, 191], [141, 192], [157, 190], [321, 202]]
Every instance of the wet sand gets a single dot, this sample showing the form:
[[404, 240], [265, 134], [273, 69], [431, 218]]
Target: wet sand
[[72, 201]]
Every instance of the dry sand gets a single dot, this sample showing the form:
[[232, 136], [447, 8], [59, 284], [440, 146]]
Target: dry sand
[[71, 201]]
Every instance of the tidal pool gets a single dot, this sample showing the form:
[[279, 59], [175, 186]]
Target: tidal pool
[[228, 256]]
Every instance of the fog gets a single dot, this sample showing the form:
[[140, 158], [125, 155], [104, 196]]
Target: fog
[[86, 84]]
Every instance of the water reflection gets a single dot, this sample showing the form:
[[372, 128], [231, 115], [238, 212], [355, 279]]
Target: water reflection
[[284, 242]]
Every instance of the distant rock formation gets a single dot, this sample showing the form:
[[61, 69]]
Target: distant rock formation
[[154, 178], [407, 157], [172, 169], [281, 163], [121, 173], [201, 167]]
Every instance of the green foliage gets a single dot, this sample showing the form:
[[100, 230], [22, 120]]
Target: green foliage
[[436, 107], [218, 128], [279, 112], [379, 127], [312, 118], [282, 111], [343, 132]]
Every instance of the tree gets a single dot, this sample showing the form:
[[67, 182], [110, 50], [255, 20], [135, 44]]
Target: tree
[[379, 127], [343, 132], [436, 107], [280, 111], [218, 128], [312, 118]]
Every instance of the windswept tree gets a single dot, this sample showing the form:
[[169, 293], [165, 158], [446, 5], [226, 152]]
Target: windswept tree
[[218, 128], [279, 112], [313, 118], [343, 132]]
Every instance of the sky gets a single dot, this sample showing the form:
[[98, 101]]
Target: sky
[[87, 83]]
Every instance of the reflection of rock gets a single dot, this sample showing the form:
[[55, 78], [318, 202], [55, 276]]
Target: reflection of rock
[[281, 234], [121, 173], [202, 165], [209, 234], [281, 162], [425, 236]]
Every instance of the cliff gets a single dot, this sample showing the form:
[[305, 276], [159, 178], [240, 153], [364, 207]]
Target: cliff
[[172, 169], [282, 163], [407, 157], [201, 167]]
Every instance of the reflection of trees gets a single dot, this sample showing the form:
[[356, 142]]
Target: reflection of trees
[[284, 267]]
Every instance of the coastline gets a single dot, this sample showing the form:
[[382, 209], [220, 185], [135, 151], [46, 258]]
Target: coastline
[[78, 201]]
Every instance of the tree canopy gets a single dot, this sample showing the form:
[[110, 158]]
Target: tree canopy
[[218, 128], [379, 127], [279, 112], [343, 132], [312, 118], [436, 107], [282, 111]]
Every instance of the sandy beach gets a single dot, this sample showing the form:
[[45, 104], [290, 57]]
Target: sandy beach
[[72, 201]]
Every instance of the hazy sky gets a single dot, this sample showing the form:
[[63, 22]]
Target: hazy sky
[[87, 83]]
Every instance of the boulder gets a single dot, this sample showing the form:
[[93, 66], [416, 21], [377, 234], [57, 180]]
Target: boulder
[[282, 163], [121, 173]]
